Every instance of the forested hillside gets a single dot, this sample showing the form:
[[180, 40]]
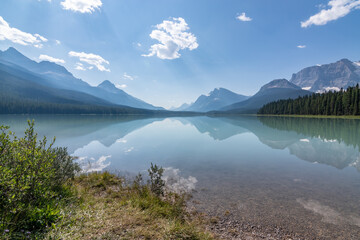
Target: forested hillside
[[343, 102], [9, 105]]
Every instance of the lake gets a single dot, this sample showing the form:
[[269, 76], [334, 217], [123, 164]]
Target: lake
[[299, 175]]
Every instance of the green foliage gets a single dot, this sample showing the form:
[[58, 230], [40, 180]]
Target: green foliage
[[33, 176], [152, 197], [331, 103], [156, 183]]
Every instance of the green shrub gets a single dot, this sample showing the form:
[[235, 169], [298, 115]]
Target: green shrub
[[157, 184], [33, 177]]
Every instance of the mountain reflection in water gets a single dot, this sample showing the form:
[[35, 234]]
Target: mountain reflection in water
[[334, 142]]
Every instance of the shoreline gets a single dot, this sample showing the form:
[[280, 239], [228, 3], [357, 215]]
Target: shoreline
[[309, 116]]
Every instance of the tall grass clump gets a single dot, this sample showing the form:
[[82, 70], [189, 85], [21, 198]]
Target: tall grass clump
[[34, 185]]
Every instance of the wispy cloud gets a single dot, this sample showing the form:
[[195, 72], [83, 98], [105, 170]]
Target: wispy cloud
[[57, 42], [121, 85], [43, 57], [91, 59], [80, 67], [39, 45], [82, 6], [129, 150], [337, 9], [301, 46], [244, 18], [173, 37], [128, 77], [17, 36]]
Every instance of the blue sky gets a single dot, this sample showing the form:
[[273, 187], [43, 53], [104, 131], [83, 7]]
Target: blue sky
[[168, 52]]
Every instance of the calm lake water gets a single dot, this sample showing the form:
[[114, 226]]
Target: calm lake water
[[302, 175]]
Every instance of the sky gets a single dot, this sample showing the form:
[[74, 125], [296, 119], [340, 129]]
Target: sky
[[168, 52]]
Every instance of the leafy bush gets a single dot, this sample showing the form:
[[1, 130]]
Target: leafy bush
[[33, 177]]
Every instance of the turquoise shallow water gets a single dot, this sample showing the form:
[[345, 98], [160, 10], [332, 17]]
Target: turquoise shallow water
[[299, 174]]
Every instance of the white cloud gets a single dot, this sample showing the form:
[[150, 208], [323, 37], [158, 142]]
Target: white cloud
[[173, 37], [174, 182], [121, 85], [137, 44], [337, 9], [301, 46], [89, 165], [17, 36], [244, 18], [51, 59], [83, 6], [80, 67], [57, 42], [129, 150], [39, 45], [40, 37], [91, 59], [128, 77]]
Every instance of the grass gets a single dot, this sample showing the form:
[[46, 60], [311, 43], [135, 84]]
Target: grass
[[43, 197], [109, 209]]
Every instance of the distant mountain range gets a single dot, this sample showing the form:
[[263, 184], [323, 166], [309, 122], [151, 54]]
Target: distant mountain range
[[273, 91], [215, 100], [183, 107], [24, 81], [55, 80], [321, 78]]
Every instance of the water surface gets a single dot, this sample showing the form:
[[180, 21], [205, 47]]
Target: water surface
[[302, 175]]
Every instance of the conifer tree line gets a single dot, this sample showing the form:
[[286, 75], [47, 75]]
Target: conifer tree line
[[343, 102], [10, 105]]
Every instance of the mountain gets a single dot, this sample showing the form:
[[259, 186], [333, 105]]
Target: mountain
[[182, 107], [56, 76], [216, 128], [216, 99], [108, 91], [272, 91], [333, 76], [22, 93], [20, 83]]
